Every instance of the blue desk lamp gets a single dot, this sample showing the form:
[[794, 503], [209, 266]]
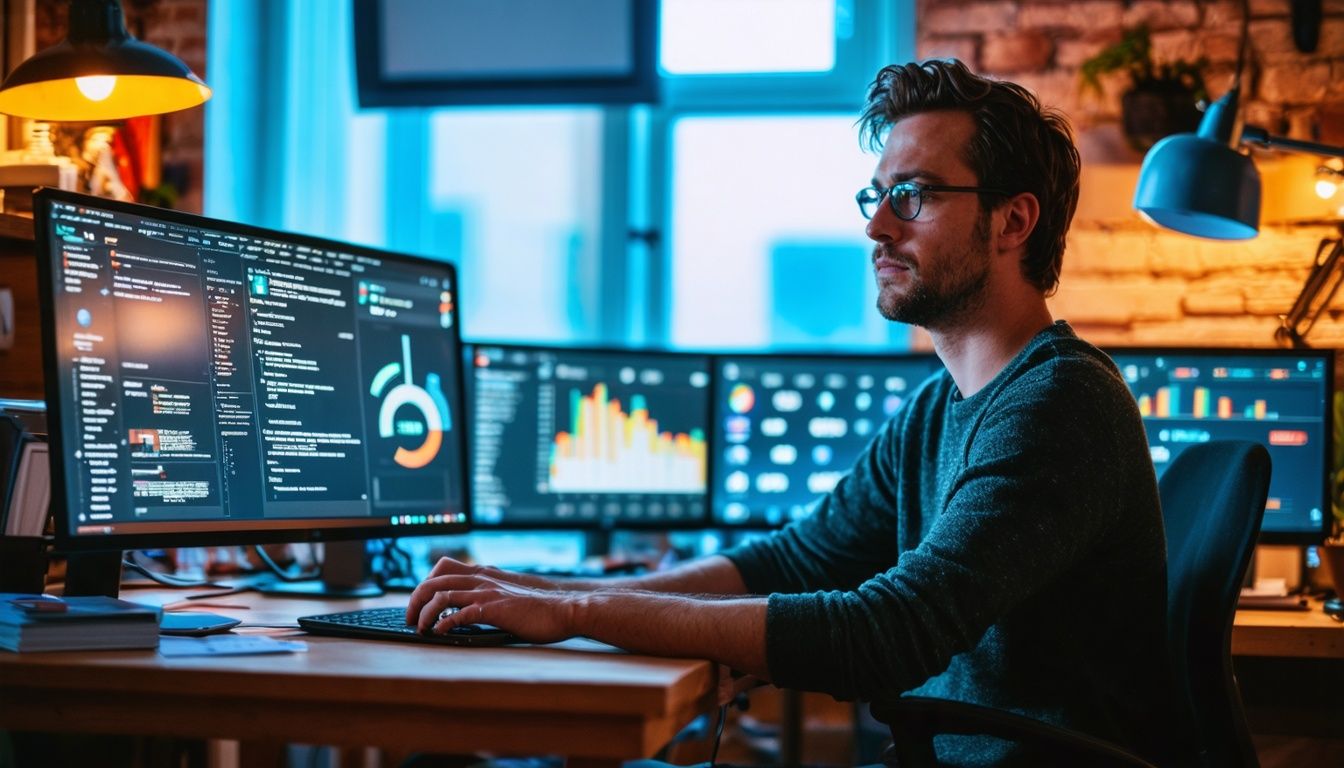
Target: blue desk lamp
[[1201, 184]]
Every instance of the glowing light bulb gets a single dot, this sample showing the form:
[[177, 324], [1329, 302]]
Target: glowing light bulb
[[96, 87], [1325, 188]]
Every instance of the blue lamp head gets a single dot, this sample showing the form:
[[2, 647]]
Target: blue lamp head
[[1198, 184]]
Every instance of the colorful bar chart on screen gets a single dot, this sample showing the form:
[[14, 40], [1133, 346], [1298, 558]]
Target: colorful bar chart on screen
[[1278, 398], [588, 438], [610, 448], [1167, 403]]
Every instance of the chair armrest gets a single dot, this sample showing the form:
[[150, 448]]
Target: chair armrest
[[915, 720]]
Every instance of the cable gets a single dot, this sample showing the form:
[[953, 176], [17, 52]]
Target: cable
[[167, 579], [281, 573], [718, 734]]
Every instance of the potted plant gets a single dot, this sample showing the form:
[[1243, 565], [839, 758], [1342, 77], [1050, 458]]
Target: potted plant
[[1162, 99]]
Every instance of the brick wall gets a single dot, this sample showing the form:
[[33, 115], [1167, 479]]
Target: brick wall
[[1124, 281], [177, 26]]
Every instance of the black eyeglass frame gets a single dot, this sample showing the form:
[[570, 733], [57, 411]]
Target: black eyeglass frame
[[919, 189]]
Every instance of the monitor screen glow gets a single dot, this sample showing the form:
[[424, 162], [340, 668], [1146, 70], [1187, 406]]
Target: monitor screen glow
[[1279, 398], [788, 428], [588, 439], [211, 383]]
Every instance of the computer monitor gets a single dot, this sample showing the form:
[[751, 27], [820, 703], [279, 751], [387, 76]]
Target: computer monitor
[[587, 439], [789, 427], [1281, 398], [211, 383]]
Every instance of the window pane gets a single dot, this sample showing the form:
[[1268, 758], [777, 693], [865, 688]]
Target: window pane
[[515, 195], [767, 245], [702, 37]]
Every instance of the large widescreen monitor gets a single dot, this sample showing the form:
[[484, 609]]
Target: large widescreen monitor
[[213, 383], [789, 427], [587, 439], [1279, 398]]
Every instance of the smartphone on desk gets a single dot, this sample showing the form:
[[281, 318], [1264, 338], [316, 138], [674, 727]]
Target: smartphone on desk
[[194, 624]]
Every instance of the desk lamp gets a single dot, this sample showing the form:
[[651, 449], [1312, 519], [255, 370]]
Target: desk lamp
[[1201, 184], [99, 72]]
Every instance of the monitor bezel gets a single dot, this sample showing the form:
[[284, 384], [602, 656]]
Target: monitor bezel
[[374, 88], [65, 539], [1301, 537], [718, 383], [703, 522]]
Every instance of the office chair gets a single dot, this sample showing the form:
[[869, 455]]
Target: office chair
[[1213, 498]]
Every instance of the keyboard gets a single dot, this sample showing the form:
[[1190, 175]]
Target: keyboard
[[390, 624]]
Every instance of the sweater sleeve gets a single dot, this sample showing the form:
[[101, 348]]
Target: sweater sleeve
[[1029, 500]]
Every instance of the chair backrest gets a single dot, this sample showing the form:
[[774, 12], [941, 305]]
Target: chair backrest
[[1213, 498]]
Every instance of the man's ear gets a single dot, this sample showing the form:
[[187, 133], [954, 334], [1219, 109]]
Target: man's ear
[[1019, 216]]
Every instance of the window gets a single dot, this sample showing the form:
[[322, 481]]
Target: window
[[709, 37], [766, 247], [763, 244], [515, 199]]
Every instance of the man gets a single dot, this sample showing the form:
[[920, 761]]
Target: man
[[1000, 541]]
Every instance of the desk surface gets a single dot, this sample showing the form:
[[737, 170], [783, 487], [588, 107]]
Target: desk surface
[[579, 699], [1299, 634]]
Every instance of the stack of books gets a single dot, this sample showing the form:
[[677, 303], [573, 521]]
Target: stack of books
[[45, 623]]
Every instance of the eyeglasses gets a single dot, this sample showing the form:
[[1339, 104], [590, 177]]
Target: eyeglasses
[[906, 198]]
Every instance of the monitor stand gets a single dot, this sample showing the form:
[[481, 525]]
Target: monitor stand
[[92, 573], [344, 575]]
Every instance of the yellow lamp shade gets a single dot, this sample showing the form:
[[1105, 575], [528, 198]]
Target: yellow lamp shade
[[100, 72]]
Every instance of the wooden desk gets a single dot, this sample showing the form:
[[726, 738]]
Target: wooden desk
[[1290, 669], [592, 703], [1296, 634]]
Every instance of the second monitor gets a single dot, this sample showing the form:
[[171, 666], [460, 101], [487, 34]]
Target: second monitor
[[790, 427], [587, 438]]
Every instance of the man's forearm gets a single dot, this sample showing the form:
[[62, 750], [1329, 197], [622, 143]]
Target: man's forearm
[[729, 631]]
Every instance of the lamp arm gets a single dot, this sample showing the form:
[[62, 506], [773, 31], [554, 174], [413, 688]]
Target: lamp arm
[[1307, 308], [1254, 134]]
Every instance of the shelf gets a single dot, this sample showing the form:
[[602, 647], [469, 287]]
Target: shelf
[[15, 227]]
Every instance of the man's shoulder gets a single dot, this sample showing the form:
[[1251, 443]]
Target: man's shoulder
[[1065, 363]]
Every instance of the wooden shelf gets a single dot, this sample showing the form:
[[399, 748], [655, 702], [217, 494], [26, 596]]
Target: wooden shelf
[[15, 227]]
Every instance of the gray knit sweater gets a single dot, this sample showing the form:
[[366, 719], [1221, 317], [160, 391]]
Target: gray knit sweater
[[1005, 549]]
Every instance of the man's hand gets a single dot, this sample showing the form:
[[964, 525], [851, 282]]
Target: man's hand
[[719, 627], [449, 600], [447, 566]]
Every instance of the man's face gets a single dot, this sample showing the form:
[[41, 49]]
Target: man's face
[[934, 270]]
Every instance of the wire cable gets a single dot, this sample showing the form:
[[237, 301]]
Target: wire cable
[[282, 573], [718, 735], [166, 579]]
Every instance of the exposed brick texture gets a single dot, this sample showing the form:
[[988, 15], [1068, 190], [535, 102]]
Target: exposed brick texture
[[1124, 281], [1025, 51]]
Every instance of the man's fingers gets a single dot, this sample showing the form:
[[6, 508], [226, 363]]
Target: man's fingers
[[435, 609]]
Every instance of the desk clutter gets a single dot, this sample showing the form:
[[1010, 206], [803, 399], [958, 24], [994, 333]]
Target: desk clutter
[[45, 623]]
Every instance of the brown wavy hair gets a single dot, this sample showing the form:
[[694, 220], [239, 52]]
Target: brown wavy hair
[[1018, 146]]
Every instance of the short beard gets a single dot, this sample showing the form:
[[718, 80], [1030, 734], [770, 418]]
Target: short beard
[[930, 307]]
